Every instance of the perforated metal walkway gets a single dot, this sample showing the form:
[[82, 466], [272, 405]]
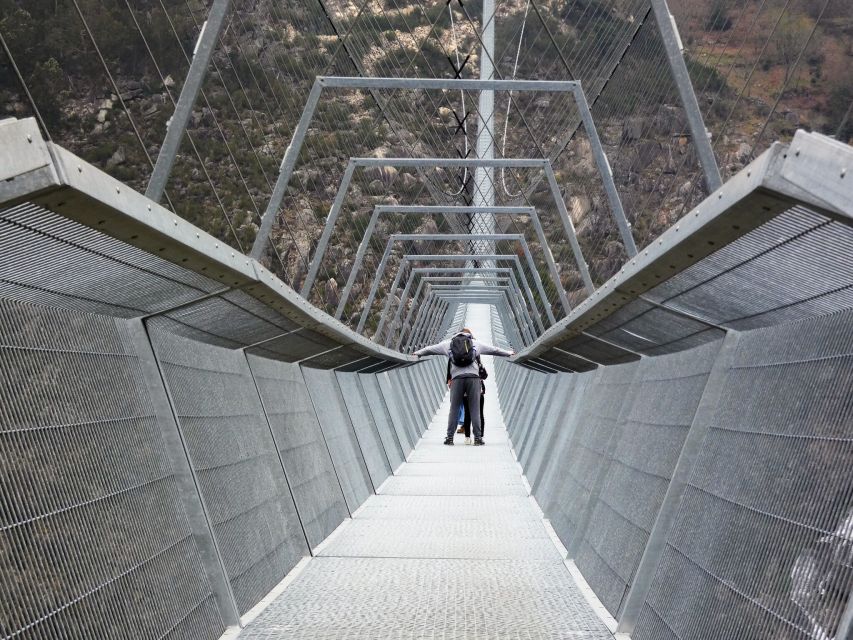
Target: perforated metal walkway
[[451, 547]]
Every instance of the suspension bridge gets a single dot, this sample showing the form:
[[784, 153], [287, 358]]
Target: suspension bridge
[[227, 226]]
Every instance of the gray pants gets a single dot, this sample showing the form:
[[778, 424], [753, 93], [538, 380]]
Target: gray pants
[[458, 388]]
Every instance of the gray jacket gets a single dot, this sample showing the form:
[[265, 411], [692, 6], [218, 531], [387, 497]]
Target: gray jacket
[[472, 370]]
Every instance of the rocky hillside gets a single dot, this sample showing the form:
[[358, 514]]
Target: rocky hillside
[[111, 104]]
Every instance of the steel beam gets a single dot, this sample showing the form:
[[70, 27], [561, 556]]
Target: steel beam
[[320, 82], [569, 228], [515, 300], [285, 170], [458, 84], [606, 173], [388, 296], [701, 141], [177, 126]]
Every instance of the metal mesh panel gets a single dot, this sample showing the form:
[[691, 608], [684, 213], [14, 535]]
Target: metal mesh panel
[[653, 425], [761, 547], [543, 447], [340, 437], [407, 412], [94, 539], [301, 446], [648, 329], [797, 265], [234, 319], [365, 427], [586, 454], [382, 418], [239, 472], [398, 418], [63, 263]]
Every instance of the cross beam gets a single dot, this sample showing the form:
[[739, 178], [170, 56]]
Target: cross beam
[[449, 237], [380, 210], [293, 150]]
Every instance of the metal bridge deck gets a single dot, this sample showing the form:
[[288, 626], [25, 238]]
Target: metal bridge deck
[[451, 547]]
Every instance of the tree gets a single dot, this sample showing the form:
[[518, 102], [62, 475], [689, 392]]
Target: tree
[[790, 38], [718, 16]]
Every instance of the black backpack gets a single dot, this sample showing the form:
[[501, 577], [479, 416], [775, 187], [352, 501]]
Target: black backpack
[[462, 350]]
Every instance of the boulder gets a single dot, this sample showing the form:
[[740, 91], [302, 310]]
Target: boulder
[[633, 129], [116, 159], [409, 181], [744, 151], [670, 120]]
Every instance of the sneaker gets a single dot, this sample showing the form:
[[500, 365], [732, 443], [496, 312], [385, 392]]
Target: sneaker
[[467, 440], [448, 441], [478, 442], [460, 430]]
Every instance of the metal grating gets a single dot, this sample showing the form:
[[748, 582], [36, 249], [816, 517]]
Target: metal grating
[[654, 421], [301, 446], [239, 473], [761, 544], [366, 431], [339, 435], [95, 542], [585, 455], [62, 263], [382, 418], [797, 265]]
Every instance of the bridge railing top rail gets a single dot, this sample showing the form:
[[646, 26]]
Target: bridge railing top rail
[[774, 244], [84, 240]]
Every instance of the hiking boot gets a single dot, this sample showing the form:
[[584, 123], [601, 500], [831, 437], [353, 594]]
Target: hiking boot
[[460, 430], [478, 442], [448, 441], [467, 440]]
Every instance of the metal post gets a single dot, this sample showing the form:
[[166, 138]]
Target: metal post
[[286, 170], [484, 178], [699, 427], [681, 76], [432, 330], [356, 265], [549, 259], [423, 311], [405, 326], [426, 334], [532, 265], [388, 296], [328, 228], [569, 228], [606, 174], [400, 306], [177, 126], [374, 288]]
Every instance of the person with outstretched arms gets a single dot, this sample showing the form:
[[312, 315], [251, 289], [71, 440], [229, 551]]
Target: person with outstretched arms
[[463, 352]]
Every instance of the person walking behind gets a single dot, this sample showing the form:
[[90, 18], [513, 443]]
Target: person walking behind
[[465, 415], [463, 352]]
